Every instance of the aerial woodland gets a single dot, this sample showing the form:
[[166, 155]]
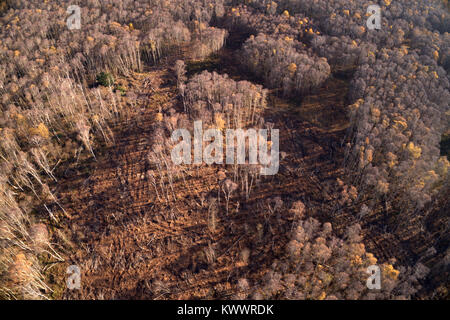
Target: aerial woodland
[[87, 179]]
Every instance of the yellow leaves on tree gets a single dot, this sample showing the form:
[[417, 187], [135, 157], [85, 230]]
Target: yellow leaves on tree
[[292, 68], [371, 259], [365, 155], [356, 105], [436, 55], [420, 185], [415, 151], [19, 117], [431, 177], [382, 187], [115, 24], [357, 261], [322, 296], [392, 159], [96, 118], [357, 249], [442, 166], [400, 124], [41, 130], [270, 5], [404, 50], [390, 272], [369, 155], [376, 113], [361, 157], [203, 26], [235, 11]]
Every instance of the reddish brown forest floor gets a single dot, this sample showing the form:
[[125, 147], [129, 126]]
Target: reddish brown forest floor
[[130, 246]]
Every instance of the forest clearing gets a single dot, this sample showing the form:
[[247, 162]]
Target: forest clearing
[[87, 180]]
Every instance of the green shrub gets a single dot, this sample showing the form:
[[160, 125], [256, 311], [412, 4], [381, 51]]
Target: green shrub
[[122, 90], [105, 79]]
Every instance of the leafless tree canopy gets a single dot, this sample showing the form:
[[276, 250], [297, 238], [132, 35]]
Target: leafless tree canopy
[[67, 95]]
